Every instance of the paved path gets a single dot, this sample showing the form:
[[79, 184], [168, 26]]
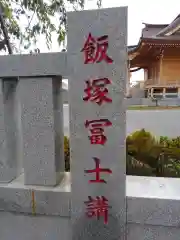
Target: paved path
[[159, 122]]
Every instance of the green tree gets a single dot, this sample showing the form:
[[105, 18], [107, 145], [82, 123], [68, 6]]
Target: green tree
[[41, 17], [146, 155], [170, 156], [142, 146], [66, 154], [150, 156]]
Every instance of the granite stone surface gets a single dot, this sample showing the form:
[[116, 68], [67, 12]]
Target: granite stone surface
[[143, 207], [43, 156], [113, 23], [35, 65], [24, 227], [153, 201], [10, 152], [21, 227], [150, 232], [18, 198]]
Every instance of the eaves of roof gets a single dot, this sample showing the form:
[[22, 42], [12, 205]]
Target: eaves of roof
[[159, 36], [134, 48], [173, 25], [153, 41], [149, 25]]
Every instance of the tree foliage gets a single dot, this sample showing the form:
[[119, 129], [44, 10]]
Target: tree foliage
[[155, 157], [27, 19], [146, 155], [66, 154]]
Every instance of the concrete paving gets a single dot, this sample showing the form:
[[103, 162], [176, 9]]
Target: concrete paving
[[159, 122]]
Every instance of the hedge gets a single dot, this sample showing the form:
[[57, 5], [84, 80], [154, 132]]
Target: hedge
[[146, 155]]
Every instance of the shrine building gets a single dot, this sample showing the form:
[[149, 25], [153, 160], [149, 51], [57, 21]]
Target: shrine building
[[158, 54]]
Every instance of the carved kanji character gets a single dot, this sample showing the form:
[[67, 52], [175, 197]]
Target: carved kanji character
[[95, 49], [96, 128], [96, 91], [98, 170], [97, 207]]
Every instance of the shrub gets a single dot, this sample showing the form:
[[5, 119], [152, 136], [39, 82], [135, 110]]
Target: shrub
[[146, 155], [162, 155], [66, 154]]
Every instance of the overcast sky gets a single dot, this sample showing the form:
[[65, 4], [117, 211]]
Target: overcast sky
[[139, 11]]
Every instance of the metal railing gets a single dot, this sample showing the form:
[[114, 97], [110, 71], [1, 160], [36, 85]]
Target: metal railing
[[155, 83]]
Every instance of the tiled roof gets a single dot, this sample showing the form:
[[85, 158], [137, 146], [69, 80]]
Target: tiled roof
[[131, 48], [172, 27], [155, 25], [158, 32]]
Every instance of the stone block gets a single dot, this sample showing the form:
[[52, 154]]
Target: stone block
[[42, 130], [36, 200], [10, 156], [111, 25], [141, 232], [22, 227], [27, 65]]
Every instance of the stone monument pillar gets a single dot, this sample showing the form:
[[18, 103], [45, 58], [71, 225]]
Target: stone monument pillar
[[42, 130], [97, 61], [10, 160]]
